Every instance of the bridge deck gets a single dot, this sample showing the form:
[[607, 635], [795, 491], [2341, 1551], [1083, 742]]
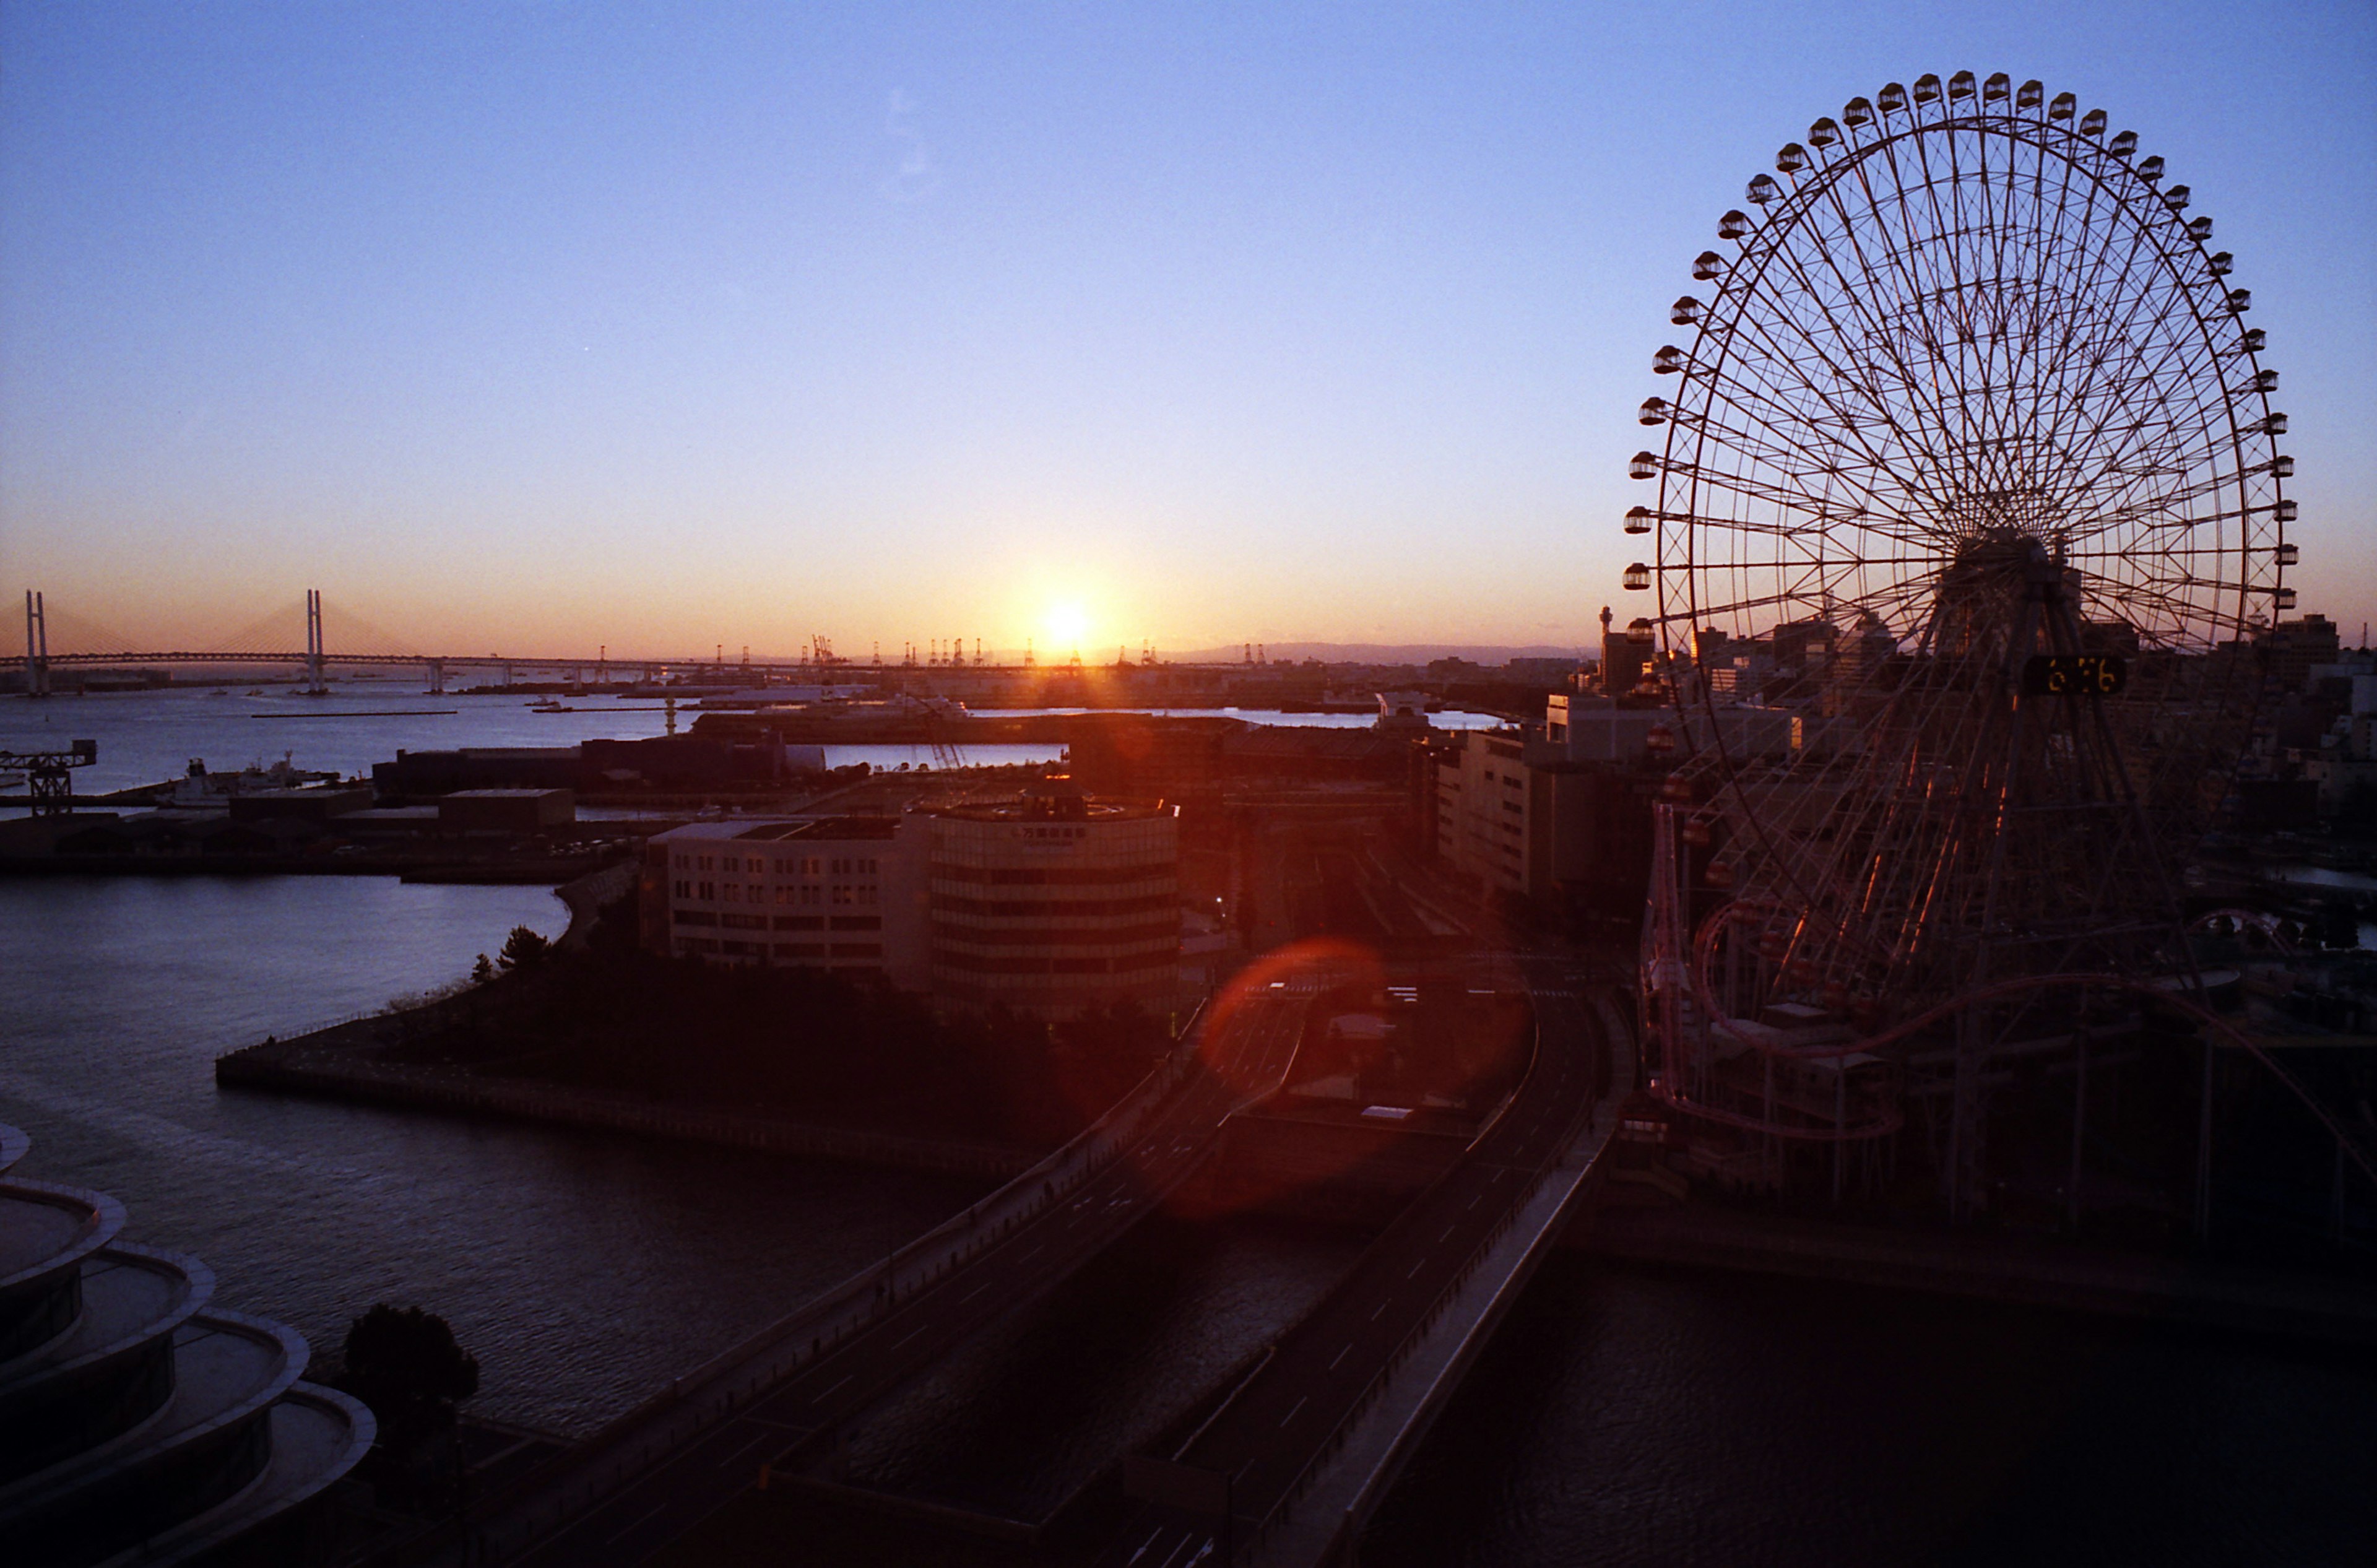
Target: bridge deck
[[1269, 1445], [620, 1498]]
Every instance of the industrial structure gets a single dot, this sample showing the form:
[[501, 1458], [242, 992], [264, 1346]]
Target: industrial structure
[[1969, 523], [49, 779]]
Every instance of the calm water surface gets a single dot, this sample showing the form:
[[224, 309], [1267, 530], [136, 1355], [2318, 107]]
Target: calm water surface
[[582, 1269], [1627, 1416], [1622, 1416], [146, 737]]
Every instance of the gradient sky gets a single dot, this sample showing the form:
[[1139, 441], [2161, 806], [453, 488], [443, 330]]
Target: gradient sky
[[529, 325]]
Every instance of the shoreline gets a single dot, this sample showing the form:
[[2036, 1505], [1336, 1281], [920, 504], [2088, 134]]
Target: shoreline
[[335, 1063], [327, 1064], [2018, 1271]]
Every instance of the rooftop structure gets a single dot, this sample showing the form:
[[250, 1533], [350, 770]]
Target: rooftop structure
[[138, 1421]]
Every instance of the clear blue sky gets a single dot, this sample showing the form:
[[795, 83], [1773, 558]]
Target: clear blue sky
[[530, 324]]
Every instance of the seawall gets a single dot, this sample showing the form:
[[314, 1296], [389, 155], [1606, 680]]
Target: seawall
[[338, 1064]]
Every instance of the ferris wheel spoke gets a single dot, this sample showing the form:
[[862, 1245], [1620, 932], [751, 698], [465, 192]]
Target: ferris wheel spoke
[[1969, 389], [1878, 367]]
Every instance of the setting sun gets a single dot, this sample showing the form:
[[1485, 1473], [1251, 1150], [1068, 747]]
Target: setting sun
[[1067, 624]]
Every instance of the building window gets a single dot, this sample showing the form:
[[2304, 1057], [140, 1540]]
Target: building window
[[734, 891], [708, 891]]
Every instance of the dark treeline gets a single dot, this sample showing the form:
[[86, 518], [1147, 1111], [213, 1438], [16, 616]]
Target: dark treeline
[[802, 1044]]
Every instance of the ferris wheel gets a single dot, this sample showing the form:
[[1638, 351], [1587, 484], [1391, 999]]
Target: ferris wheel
[[1969, 514]]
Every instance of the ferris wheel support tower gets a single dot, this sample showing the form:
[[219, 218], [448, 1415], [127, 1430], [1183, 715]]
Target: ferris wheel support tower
[[1969, 509]]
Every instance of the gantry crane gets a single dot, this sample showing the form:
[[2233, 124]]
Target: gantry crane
[[49, 783]]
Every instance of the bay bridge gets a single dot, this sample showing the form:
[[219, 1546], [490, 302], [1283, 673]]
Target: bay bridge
[[315, 640]]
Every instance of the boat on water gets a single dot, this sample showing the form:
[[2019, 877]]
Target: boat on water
[[200, 790]]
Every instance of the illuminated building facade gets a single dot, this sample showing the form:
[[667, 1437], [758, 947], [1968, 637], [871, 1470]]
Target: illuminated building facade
[[1050, 903], [845, 893], [1054, 902]]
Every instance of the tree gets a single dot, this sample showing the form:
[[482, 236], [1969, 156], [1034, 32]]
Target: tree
[[404, 1363], [483, 971], [523, 949]]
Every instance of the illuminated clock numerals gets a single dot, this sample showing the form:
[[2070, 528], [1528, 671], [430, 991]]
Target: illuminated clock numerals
[[2069, 675]]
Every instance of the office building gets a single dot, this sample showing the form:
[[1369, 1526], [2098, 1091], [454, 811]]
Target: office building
[[1050, 903]]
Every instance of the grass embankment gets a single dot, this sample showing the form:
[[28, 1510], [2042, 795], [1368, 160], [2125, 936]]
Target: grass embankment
[[806, 1046]]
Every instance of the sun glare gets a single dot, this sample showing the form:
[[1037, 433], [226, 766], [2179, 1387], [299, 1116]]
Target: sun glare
[[1067, 624]]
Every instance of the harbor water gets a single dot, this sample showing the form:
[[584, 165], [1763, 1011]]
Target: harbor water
[[147, 736], [1622, 1415]]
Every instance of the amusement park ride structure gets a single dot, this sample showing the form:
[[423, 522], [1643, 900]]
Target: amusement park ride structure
[[1973, 435]]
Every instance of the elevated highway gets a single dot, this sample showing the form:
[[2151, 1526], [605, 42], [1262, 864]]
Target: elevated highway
[[1288, 1469], [769, 1405]]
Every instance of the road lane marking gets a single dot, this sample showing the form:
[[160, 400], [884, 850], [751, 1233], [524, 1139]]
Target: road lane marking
[[828, 1392], [1376, 1310], [971, 1294], [1340, 1355], [912, 1333], [1291, 1415]]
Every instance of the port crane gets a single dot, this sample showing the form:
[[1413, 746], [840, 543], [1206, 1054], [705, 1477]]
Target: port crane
[[48, 781]]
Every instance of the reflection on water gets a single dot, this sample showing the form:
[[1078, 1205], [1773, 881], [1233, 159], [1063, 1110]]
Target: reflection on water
[[1628, 1415], [1621, 1416], [583, 1269]]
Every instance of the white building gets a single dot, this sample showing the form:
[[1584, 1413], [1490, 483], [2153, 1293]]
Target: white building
[[1050, 903], [845, 893]]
